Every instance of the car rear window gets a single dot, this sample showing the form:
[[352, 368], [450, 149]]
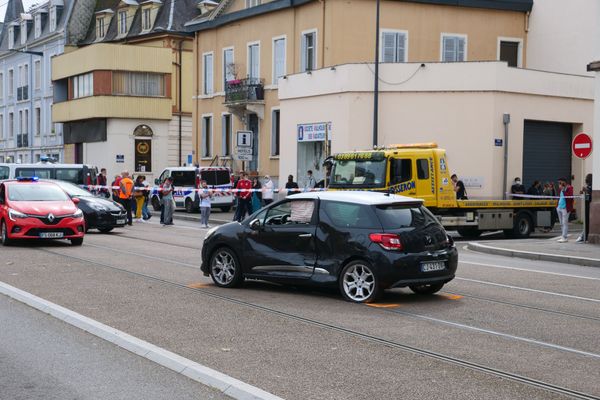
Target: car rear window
[[396, 216], [217, 177], [36, 192], [350, 215], [184, 178]]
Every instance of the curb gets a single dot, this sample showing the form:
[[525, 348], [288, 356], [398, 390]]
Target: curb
[[184, 217], [500, 251], [224, 383]]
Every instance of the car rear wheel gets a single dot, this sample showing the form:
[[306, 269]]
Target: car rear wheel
[[427, 289], [358, 283], [225, 270], [105, 230], [4, 233], [77, 241]]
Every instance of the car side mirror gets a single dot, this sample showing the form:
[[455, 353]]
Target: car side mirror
[[255, 224], [156, 181], [75, 200]]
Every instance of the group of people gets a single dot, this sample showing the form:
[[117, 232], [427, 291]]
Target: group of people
[[251, 195], [132, 194], [548, 189]]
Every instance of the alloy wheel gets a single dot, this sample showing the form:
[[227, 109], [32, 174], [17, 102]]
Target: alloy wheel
[[223, 267], [359, 282]]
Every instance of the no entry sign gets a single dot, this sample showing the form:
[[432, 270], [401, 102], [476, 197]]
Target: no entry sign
[[582, 146]]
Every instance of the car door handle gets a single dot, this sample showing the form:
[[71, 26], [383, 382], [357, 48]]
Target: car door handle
[[305, 235]]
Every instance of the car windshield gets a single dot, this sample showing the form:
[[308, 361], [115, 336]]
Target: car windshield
[[358, 173], [73, 190], [36, 192], [396, 216]]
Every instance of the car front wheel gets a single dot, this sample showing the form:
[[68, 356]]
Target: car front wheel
[[427, 289], [359, 283], [5, 240], [225, 270]]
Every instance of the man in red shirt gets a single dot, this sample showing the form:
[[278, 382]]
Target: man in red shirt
[[244, 196]]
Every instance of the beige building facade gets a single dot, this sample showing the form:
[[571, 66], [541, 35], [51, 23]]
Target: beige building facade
[[244, 54]]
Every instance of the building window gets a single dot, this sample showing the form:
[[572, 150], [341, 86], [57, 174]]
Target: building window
[[23, 88], [393, 47], [25, 130], [37, 26], [83, 85], [275, 132], [122, 22], [254, 61], [454, 48], [11, 83], [308, 59], [11, 125], [11, 37], [228, 65], [206, 136], [509, 51], [23, 32], [146, 20], [2, 127], [100, 28], [207, 67], [252, 3], [138, 84], [38, 74], [38, 121], [226, 135], [278, 59], [52, 19], [1, 85]]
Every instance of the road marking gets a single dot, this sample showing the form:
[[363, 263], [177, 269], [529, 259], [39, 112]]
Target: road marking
[[529, 290], [451, 296], [200, 373], [529, 270], [501, 334], [199, 285], [383, 305]]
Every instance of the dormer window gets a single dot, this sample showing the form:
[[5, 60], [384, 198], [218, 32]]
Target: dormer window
[[100, 28], [146, 20], [122, 22], [11, 37], [52, 18], [37, 26]]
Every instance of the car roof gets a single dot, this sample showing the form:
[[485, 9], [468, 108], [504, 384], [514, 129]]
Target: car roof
[[356, 196], [198, 168]]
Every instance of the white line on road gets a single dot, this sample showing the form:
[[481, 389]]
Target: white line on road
[[224, 383], [529, 270], [528, 289]]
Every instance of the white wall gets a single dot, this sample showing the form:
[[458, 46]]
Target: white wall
[[561, 35]]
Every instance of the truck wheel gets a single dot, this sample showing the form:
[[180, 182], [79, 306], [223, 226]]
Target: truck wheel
[[469, 232], [156, 203], [523, 226]]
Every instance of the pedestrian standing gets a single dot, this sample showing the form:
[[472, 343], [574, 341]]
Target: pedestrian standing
[[236, 196], [535, 189], [311, 182], [146, 215], [459, 188], [267, 190], [517, 187], [205, 204], [244, 196], [168, 201], [138, 194], [291, 185], [101, 181], [125, 194], [256, 195], [114, 187], [565, 206], [587, 192]]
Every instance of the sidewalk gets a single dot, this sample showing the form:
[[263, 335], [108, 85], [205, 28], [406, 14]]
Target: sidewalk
[[216, 217], [546, 249]]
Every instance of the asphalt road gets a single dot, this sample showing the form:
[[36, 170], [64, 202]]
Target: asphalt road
[[504, 329], [43, 358]]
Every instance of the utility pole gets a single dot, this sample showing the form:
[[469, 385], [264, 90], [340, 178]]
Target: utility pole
[[376, 85]]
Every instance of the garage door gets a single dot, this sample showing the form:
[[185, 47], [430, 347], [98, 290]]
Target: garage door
[[546, 151]]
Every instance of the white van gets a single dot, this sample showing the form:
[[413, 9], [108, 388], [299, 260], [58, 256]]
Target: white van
[[79, 174], [186, 179]]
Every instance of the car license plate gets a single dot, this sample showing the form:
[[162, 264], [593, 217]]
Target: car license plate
[[121, 221], [433, 266], [51, 235]]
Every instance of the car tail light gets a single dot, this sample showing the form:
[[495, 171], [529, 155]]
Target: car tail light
[[387, 240]]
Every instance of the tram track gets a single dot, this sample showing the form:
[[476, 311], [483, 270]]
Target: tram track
[[352, 332]]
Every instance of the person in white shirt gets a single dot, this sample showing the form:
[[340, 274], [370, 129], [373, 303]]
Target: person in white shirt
[[267, 190], [205, 198], [311, 182]]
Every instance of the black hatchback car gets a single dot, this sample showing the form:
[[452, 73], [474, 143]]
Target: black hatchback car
[[99, 213], [361, 242]]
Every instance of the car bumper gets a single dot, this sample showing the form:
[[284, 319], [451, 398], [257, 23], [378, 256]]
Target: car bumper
[[107, 220], [401, 270], [32, 228]]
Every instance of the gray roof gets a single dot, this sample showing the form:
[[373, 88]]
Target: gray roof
[[171, 17], [360, 197]]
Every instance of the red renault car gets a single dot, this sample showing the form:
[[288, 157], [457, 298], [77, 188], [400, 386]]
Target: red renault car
[[31, 209]]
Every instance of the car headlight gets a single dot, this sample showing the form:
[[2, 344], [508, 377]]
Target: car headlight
[[78, 214], [14, 214]]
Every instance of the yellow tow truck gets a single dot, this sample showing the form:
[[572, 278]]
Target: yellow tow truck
[[421, 171]]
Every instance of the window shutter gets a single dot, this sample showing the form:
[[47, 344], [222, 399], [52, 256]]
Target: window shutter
[[254, 54], [303, 54], [209, 69], [400, 47], [449, 53], [224, 150], [389, 47], [461, 49]]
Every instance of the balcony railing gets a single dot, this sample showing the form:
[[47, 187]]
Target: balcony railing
[[23, 140], [244, 90]]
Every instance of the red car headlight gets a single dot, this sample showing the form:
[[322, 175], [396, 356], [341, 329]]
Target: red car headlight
[[13, 215]]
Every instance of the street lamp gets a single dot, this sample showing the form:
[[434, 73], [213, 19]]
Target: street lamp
[[376, 85]]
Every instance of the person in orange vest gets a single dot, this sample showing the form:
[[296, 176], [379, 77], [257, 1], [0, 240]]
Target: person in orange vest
[[125, 192]]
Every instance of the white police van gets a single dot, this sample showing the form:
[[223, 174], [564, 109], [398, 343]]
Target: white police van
[[79, 174], [186, 179]]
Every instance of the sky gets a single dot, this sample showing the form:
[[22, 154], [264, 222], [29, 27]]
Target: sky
[[26, 5]]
